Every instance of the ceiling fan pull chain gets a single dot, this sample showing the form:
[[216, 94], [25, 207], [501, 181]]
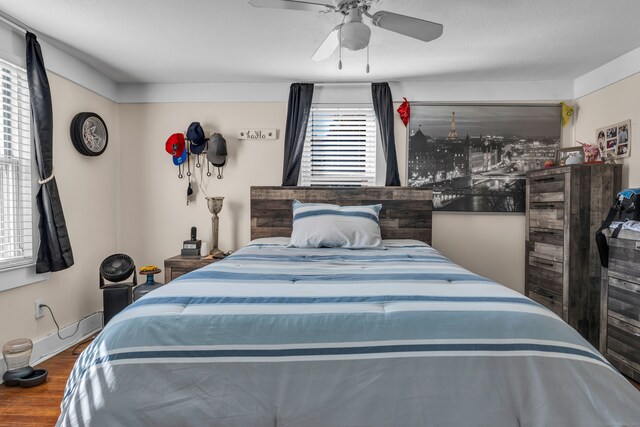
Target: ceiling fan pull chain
[[368, 59], [340, 46], [344, 16]]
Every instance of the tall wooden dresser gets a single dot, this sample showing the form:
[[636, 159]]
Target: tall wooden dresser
[[565, 207], [620, 310]]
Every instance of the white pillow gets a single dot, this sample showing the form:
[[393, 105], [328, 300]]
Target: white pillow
[[331, 226]]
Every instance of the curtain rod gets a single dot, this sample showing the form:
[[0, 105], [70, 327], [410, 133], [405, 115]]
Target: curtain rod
[[12, 22], [340, 83]]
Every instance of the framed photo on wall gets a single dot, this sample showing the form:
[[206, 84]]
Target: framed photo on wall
[[476, 156], [614, 141]]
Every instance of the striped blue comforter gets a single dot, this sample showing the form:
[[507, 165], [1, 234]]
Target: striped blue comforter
[[278, 336]]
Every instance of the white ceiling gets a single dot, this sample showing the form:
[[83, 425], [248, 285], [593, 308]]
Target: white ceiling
[[215, 41]]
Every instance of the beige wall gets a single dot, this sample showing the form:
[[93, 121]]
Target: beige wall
[[612, 104], [89, 197]]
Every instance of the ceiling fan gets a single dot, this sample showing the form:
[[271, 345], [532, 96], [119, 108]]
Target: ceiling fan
[[352, 33]]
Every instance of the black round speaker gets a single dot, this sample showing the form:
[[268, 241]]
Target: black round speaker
[[117, 267]]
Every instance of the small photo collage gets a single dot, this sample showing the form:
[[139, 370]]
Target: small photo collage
[[615, 140]]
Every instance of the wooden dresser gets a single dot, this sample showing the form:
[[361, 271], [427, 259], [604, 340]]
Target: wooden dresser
[[620, 319], [565, 207]]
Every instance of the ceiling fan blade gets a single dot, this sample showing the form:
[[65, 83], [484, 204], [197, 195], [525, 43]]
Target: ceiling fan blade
[[293, 5], [328, 46], [407, 25]]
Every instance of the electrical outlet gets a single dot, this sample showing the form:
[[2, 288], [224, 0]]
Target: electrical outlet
[[39, 309]]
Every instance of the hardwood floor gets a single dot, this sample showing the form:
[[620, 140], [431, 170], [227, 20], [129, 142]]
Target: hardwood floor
[[40, 406]]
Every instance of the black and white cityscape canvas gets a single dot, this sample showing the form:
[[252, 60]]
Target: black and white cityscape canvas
[[476, 156]]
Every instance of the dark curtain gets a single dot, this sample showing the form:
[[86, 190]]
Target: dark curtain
[[383, 106], [54, 253], [300, 96]]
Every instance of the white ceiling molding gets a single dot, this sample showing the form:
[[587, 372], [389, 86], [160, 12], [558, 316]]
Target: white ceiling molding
[[492, 91], [607, 74], [132, 93], [356, 93]]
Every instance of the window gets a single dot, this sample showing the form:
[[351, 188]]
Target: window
[[16, 222], [340, 147]]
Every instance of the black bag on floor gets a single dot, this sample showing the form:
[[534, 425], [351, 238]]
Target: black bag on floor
[[626, 207]]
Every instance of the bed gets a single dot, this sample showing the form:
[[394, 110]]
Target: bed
[[399, 336]]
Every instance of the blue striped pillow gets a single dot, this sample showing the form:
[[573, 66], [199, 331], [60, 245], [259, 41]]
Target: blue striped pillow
[[319, 225]]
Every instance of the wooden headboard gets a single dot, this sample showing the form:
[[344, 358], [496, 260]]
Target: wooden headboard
[[406, 212]]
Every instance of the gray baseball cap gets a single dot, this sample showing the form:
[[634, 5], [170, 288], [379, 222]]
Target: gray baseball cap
[[217, 151]]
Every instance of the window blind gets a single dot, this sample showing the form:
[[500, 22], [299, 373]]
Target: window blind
[[340, 147], [16, 223]]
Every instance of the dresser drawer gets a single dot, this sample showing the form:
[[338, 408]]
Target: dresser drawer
[[545, 251], [177, 272], [545, 264], [623, 346], [547, 235], [624, 257], [544, 281], [623, 301], [546, 197], [553, 185], [549, 300], [546, 215]]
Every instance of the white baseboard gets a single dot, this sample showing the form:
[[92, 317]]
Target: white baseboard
[[49, 346]]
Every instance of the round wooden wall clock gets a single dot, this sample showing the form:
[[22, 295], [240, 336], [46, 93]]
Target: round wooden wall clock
[[89, 134]]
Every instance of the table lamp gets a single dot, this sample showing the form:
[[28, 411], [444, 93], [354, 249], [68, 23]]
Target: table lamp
[[215, 206]]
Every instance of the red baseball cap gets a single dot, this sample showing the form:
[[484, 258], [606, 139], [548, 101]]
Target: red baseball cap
[[175, 144]]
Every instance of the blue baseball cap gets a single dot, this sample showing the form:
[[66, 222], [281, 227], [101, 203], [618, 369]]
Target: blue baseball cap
[[178, 160], [197, 140]]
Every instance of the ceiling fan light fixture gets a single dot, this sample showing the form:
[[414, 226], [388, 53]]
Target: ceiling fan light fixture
[[352, 33], [355, 35]]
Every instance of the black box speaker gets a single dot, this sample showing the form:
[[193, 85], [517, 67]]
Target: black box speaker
[[116, 298]]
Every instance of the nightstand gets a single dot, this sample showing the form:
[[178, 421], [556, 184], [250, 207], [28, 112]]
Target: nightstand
[[178, 265]]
